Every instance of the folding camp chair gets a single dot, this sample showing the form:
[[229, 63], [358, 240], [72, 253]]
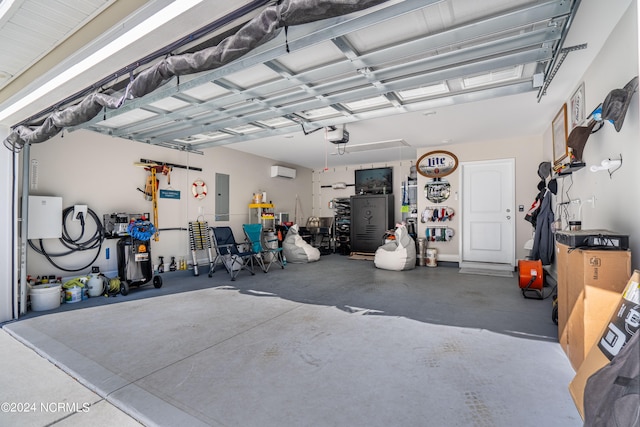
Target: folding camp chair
[[266, 254], [229, 253]]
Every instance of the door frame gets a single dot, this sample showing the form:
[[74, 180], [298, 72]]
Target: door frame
[[488, 265]]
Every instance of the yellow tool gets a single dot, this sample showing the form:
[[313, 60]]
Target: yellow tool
[[152, 189], [154, 200]]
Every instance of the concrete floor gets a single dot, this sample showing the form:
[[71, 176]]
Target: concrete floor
[[332, 343]]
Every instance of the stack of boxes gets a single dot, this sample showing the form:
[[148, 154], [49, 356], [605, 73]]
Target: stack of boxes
[[589, 286], [591, 282]]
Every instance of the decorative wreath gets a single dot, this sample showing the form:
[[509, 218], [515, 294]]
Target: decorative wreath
[[199, 189]]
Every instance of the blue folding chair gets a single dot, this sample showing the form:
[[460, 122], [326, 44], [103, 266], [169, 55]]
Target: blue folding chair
[[265, 255], [228, 252]]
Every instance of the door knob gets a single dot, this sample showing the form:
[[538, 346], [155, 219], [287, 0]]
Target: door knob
[[508, 216]]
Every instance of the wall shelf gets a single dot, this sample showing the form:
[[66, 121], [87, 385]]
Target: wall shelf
[[570, 168], [262, 213]]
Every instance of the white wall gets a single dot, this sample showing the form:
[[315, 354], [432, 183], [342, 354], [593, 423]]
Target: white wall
[[527, 153], [8, 252], [617, 198], [89, 168], [326, 177]]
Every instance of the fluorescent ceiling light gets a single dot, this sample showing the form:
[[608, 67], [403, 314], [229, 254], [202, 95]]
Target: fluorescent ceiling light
[[5, 5], [499, 76], [154, 22], [378, 145]]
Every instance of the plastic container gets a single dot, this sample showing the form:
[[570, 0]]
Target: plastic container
[[95, 285], [73, 294], [45, 297], [432, 257]]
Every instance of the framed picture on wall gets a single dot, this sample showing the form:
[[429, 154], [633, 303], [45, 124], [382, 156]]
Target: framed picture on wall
[[559, 128], [576, 106]]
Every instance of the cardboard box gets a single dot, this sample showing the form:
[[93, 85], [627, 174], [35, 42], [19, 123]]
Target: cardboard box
[[623, 323], [562, 267], [589, 287]]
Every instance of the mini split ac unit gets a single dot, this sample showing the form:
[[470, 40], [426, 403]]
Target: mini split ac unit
[[283, 172]]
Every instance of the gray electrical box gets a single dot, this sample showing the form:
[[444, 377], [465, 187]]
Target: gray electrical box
[[45, 218]]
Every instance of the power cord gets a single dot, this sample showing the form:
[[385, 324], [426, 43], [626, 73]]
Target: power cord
[[141, 230], [74, 244]]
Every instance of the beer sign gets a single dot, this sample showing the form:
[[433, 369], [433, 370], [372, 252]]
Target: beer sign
[[436, 164]]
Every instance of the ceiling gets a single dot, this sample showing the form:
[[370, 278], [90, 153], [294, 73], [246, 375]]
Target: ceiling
[[31, 29], [398, 76]]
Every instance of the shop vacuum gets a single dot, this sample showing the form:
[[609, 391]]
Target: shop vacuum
[[134, 256]]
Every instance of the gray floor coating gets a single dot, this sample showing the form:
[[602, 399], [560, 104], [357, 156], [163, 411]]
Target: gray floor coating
[[332, 343]]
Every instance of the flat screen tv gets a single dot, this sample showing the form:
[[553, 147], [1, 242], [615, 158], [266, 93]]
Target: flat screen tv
[[374, 181]]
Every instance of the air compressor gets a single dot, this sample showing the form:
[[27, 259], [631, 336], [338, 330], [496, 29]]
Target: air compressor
[[134, 256]]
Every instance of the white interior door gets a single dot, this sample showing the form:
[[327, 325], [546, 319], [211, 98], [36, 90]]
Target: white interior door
[[488, 199]]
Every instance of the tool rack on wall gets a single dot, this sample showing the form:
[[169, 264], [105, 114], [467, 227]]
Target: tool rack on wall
[[433, 216]]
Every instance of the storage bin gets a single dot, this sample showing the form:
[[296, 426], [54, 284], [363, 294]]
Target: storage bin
[[45, 297]]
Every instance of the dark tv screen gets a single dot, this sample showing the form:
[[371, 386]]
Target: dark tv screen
[[374, 181]]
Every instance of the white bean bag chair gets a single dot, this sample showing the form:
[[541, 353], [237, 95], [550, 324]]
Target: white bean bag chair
[[398, 254], [296, 250]]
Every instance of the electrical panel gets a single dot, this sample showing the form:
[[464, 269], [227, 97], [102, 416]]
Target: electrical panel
[[45, 218]]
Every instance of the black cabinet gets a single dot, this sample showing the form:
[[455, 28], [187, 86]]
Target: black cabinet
[[371, 217]]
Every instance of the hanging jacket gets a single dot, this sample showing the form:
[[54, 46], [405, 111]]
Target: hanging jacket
[[543, 245], [612, 394]]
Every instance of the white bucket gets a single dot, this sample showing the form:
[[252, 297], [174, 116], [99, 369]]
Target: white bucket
[[73, 294], [432, 257], [44, 297]]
